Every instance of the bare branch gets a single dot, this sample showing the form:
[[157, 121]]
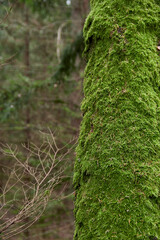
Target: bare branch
[[30, 185]]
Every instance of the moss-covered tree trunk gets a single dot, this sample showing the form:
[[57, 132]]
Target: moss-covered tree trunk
[[117, 171]]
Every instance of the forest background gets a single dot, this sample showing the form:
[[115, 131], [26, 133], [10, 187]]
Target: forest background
[[41, 63]]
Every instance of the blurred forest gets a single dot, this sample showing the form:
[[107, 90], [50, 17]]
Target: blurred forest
[[41, 63]]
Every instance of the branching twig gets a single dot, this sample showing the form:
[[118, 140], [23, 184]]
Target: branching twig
[[30, 185]]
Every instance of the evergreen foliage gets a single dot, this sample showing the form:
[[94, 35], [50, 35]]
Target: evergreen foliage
[[20, 85], [68, 58], [117, 167], [17, 89], [41, 5], [47, 8]]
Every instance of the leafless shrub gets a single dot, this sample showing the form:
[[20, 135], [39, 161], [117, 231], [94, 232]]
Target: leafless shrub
[[30, 184]]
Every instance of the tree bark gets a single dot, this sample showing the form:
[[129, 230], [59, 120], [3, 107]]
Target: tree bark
[[85, 7], [27, 70], [117, 167], [27, 74], [76, 17]]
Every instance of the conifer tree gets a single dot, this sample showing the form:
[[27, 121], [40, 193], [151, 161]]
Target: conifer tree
[[117, 170]]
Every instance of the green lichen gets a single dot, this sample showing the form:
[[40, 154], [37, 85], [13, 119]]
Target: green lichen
[[117, 170]]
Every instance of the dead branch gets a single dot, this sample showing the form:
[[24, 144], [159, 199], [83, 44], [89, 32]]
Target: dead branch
[[30, 184]]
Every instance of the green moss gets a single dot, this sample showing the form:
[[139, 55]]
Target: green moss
[[117, 171]]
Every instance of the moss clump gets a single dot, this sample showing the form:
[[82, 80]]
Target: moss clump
[[117, 170]]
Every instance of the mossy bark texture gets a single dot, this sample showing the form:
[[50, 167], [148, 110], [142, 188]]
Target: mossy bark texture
[[117, 170]]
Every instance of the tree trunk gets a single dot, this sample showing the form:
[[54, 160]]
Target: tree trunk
[[85, 7], [117, 167], [27, 74], [27, 71], [80, 10]]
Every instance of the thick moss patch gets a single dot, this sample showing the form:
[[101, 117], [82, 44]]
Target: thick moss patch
[[117, 170]]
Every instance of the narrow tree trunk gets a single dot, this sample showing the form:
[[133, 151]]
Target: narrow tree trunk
[[76, 17], [27, 73], [117, 168], [85, 7], [27, 70]]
